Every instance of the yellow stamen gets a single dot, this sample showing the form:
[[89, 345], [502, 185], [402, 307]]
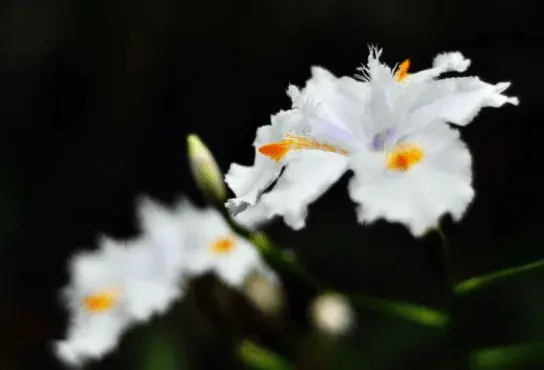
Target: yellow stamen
[[100, 302], [402, 72], [404, 157], [279, 149], [224, 245]]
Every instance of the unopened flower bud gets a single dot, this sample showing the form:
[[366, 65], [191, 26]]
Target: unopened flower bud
[[205, 170]]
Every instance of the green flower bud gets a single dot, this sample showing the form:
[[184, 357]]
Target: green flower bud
[[205, 170]]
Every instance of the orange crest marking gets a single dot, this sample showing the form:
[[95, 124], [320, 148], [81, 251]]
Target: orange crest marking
[[402, 72], [278, 150]]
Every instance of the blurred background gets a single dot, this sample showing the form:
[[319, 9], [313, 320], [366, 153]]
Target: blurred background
[[96, 99]]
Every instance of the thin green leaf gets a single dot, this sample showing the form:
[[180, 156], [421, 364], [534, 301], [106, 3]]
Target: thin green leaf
[[508, 357], [259, 358], [416, 313], [478, 282]]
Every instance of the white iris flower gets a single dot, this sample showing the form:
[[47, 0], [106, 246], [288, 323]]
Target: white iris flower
[[389, 127]]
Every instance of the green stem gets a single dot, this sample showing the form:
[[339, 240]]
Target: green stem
[[457, 349], [502, 357], [446, 258], [477, 282]]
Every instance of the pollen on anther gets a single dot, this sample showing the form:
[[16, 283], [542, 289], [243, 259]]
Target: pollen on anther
[[402, 71], [223, 245], [404, 157], [100, 302]]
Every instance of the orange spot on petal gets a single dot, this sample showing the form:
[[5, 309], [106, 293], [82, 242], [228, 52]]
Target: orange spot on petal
[[404, 157], [100, 302], [223, 245], [402, 72], [275, 151]]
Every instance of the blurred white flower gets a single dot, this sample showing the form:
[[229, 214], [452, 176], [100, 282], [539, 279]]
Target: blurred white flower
[[127, 282], [110, 290], [409, 165], [166, 232], [200, 241], [332, 314]]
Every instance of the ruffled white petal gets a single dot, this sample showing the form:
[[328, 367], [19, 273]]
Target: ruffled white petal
[[442, 63], [458, 100], [415, 84], [236, 266], [150, 291], [452, 61], [97, 269], [247, 182], [439, 184], [325, 110], [303, 181], [330, 107], [165, 233], [90, 337], [207, 226]]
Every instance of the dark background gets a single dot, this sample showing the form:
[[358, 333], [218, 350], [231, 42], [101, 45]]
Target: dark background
[[96, 99]]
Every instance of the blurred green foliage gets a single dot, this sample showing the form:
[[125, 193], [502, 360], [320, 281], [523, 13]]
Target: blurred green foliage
[[163, 351]]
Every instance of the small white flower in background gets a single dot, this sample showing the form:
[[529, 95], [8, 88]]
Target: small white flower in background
[[110, 290], [203, 239], [204, 168], [409, 165], [332, 314]]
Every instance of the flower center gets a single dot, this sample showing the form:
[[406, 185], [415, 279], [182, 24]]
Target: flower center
[[279, 149], [404, 157], [223, 245], [100, 302], [402, 72]]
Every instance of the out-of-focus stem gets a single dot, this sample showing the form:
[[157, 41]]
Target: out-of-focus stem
[[507, 357], [478, 282], [259, 358]]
